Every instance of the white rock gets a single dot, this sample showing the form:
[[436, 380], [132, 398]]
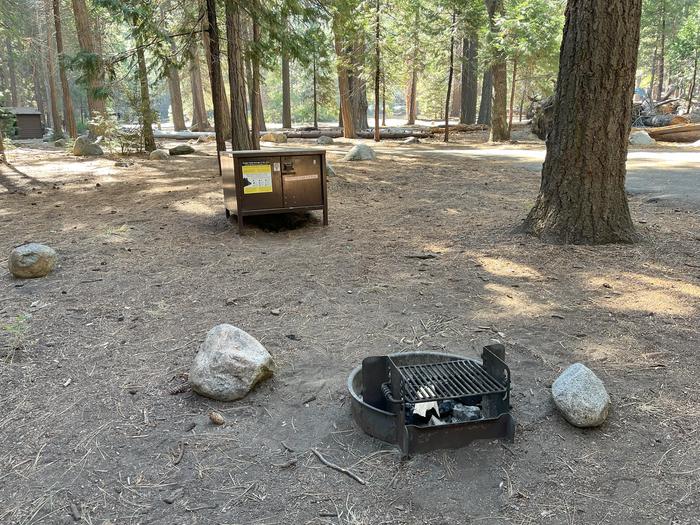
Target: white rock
[[581, 396], [229, 364], [411, 140], [641, 138], [324, 140], [32, 260], [361, 152], [159, 154]]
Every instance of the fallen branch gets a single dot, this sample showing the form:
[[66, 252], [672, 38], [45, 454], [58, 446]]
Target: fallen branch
[[339, 469]]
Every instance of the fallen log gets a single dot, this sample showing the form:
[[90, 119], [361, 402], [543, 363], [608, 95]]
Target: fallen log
[[657, 121], [459, 127], [678, 133], [387, 133]]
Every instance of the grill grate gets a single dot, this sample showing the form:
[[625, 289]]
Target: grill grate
[[447, 380]]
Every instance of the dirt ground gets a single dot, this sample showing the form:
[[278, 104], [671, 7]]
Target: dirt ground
[[90, 431]]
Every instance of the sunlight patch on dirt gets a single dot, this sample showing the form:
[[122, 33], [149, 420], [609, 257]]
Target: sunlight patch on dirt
[[507, 268], [638, 292], [515, 302]]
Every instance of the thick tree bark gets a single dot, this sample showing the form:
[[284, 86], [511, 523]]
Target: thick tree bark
[[512, 95], [343, 84], [582, 196], [38, 95], [286, 94], [450, 75], [10, 54], [377, 73], [499, 111], [68, 115], [176, 99], [255, 92], [51, 74], [149, 143], [486, 98], [470, 45], [383, 98], [411, 98], [240, 133], [96, 104], [200, 120], [662, 51], [358, 86], [222, 116]]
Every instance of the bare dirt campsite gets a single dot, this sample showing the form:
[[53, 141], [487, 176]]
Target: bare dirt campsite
[[349, 262], [419, 255]]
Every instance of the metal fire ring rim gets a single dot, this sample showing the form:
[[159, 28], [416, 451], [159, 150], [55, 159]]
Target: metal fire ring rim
[[358, 369]]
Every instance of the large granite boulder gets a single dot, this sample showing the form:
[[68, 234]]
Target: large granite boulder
[[360, 152], [278, 138], [581, 396], [159, 154], [229, 364], [324, 140], [84, 147], [32, 260], [181, 149]]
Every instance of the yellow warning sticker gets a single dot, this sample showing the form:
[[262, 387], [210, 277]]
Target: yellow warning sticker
[[257, 178]]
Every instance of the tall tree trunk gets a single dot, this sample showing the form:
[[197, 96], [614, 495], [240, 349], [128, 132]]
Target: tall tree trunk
[[96, 104], [582, 196], [467, 114], [384, 99], [377, 73], [358, 86], [286, 93], [343, 83], [14, 95], [38, 95], [662, 51], [512, 95], [255, 91], [240, 134], [315, 92], [653, 70], [486, 98], [499, 117], [51, 75], [176, 99], [222, 116], [200, 120], [149, 143], [691, 89], [411, 98], [449, 76], [68, 115]]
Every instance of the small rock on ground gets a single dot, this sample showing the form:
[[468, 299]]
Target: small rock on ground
[[324, 140], [360, 152], [60, 143], [181, 149], [581, 396], [32, 260], [641, 138], [411, 140], [229, 364], [159, 154]]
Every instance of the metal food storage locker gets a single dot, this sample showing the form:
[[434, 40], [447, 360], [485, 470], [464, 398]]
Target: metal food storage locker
[[280, 181]]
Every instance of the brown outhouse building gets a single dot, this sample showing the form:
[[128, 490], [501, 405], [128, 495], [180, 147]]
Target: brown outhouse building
[[29, 124]]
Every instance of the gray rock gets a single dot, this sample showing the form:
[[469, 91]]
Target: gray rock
[[581, 397], [181, 149], [361, 152], [462, 412], [641, 138], [32, 260], [330, 172], [324, 140], [159, 154], [84, 147], [229, 364], [60, 143], [278, 138], [411, 140]]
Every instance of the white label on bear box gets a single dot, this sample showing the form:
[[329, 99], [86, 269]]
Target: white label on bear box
[[294, 178]]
